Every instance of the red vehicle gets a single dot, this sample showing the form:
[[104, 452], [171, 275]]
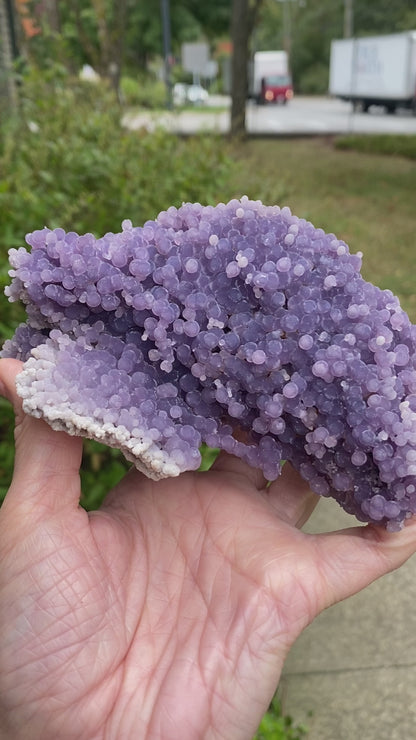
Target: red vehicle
[[276, 89], [271, 81]]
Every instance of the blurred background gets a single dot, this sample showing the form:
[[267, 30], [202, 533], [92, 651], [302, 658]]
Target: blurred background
[[113, 109]]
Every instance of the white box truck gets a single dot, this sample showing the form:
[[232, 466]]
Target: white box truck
[[270, 77], [375, 70]]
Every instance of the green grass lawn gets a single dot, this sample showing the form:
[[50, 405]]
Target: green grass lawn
[[366, 199]]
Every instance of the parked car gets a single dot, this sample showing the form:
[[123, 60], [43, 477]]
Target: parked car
[[194, 94]]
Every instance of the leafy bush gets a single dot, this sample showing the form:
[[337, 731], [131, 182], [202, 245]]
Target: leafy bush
[[396, 144], [314, 80], [6, 446], [143, 92], [65, 160], [276, 726], [208, 457]]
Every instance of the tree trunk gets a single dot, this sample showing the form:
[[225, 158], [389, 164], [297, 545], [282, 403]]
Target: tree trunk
[[8, 95], [51, 13], [111, 33], [104, 33], [243, 18]]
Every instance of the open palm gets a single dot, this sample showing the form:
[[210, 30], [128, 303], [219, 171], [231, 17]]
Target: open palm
[[168, 613]]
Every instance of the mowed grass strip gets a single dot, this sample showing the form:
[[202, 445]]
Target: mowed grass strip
[[397, 144], [367, 199]]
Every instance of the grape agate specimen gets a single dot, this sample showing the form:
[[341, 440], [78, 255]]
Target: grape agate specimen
[[162, 337]]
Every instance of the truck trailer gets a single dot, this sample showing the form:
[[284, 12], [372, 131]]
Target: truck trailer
[[375, 70], [270, 78]]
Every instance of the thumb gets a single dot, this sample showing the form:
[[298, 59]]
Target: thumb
[[46, 467], [351, 559]]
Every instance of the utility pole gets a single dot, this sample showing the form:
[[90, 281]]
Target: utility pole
[[165, 10], [348, 18], [287, 27]]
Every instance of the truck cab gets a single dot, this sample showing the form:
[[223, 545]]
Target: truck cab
[[275, 89], [270, 79]]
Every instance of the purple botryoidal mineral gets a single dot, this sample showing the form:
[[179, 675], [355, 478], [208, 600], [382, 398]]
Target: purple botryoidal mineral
[[165, 336]]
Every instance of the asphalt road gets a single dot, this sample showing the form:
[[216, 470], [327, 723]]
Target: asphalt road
[[325, 116], [302, 116]]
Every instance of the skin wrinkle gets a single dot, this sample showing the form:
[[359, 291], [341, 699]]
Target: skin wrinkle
[[192, 582], [222, 699], [48, 641], [169, 714], [234, 623], [118, 575], [206, 667], [148, 676], [60, 636], [151, 693], [210, 669], [226, 558], [56, 708], [131, 612], [100, 716]]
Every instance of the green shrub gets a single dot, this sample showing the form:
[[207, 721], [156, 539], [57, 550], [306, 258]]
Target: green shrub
[[65, 160], [276, 726], [143, 91], [6, 446], [208, 456], [102, 468], [314, 81]]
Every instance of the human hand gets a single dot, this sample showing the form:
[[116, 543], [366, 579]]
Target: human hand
[[168, 613]]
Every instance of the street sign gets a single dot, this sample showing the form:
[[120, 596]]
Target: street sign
[[195, 58]]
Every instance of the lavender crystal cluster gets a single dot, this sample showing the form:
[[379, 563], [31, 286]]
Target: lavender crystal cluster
[[165, 336]]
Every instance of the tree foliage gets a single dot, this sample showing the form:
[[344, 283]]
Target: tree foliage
[[102, 32], [314, 23], [111, 33]]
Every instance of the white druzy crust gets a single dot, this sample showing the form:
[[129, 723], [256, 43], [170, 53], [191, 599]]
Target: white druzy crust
[[43, 395], [163, 337]]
